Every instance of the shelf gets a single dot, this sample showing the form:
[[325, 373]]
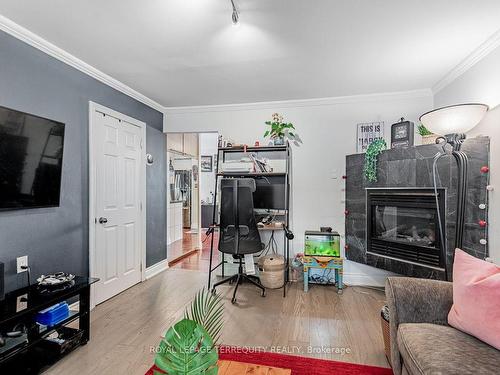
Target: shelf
[[42, 333], [252, 174], [271, 227], [43, 329], [254, 149]]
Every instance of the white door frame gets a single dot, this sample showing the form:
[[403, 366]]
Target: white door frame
[[93, 107]]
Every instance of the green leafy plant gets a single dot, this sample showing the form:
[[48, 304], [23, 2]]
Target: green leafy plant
[[282, 130], [189, 347], [423, 131], [371, 158], [208, 311]]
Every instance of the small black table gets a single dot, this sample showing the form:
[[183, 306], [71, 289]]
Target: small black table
[[20, 307]]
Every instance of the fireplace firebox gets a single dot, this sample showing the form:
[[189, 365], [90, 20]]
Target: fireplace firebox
[[402, 224]]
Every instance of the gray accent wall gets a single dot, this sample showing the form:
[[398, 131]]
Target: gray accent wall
[[156, 175], [56, 239]]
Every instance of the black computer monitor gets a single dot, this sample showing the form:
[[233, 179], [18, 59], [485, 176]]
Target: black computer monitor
[[270, 193]]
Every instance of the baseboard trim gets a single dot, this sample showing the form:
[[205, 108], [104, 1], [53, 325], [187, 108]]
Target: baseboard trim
[[361, 279], [156, 269], [181, 257]]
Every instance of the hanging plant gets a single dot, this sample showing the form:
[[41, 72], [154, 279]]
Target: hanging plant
[[371, 158]]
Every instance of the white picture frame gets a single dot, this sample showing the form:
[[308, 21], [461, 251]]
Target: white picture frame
[[367, 132]]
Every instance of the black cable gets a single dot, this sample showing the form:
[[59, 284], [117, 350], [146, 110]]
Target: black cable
[[440, 219]]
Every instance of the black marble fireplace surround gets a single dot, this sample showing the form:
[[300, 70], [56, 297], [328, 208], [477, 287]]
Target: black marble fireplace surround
[[410, 170]]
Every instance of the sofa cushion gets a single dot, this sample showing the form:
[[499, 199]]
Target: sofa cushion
[[434, 349]]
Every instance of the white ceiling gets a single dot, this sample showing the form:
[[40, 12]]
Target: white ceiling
[[186, 52]]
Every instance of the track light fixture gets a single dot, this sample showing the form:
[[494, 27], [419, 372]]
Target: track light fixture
[[236, 15]]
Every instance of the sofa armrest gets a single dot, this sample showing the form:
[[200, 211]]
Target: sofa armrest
[[412, 300]]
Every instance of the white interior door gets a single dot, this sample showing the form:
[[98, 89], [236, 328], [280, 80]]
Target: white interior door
[[118, 225]]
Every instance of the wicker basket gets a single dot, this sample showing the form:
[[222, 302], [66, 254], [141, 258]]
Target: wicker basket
[[271, 271], [384, 321], [429, 139]]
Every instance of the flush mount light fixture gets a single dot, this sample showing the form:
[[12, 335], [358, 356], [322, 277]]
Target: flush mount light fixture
[[236, 15]]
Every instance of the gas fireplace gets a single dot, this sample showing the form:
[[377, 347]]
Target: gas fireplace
[[402, 224]]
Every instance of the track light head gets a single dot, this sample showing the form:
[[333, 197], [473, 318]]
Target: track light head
[[235, 16]]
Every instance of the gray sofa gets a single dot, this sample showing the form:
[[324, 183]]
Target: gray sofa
[[422, 342]]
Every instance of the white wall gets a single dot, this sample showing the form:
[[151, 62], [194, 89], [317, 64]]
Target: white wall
[[328, 129], [481, 84], [208, 146]]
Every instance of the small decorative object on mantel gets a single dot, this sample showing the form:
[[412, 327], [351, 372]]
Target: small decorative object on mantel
[[402, 134], [281, 131], [371, 158], [428, 137], [367, 133]]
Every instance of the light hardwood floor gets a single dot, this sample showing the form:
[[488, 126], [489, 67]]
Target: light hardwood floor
[[127, 327]]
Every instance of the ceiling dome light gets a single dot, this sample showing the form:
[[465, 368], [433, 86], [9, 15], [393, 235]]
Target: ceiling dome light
[[235, 16], [454, 119]]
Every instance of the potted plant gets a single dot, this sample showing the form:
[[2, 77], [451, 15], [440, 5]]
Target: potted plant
[[428, 137], [189, 346], [281, 132]]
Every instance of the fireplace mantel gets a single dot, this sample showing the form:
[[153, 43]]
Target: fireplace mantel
[[411, 168]]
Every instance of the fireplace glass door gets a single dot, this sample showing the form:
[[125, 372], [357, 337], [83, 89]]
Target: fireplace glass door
[[403, 224], [409, 225]]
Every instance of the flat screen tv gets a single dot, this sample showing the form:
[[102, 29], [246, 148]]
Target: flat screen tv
[[31, 154]]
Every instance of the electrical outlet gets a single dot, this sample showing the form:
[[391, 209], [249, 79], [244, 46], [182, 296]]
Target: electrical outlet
[[22, 262]]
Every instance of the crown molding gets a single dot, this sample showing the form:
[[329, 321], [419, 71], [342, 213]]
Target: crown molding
[[477, 55], [398, 95], [30, 38]]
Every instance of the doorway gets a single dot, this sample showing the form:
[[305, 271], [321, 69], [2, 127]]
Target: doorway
[[191, 159], [117, 187]]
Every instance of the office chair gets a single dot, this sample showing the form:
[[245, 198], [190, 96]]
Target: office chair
[[238, 229]]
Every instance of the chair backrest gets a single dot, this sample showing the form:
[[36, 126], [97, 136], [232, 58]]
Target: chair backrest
[[238, 228]]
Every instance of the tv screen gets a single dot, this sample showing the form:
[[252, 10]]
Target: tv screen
[[31, 153]]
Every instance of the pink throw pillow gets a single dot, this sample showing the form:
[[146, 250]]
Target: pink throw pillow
[[476, 298]]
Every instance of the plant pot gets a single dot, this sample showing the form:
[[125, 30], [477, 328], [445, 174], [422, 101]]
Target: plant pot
[[279, 141], [429, 139]]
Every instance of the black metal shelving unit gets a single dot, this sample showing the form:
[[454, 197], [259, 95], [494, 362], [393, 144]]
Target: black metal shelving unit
[[222, 155]]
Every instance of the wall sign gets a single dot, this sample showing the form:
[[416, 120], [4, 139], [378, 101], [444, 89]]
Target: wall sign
[[367, 133]]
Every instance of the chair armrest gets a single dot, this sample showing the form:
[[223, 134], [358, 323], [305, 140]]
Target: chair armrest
[[412, 300]]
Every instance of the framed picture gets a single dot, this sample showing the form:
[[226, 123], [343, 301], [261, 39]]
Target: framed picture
[[367, 133], [206, 163]]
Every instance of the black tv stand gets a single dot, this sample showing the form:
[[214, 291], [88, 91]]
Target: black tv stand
[[29, 352]]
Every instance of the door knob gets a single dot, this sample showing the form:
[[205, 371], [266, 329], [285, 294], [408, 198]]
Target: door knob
[[103, 220]]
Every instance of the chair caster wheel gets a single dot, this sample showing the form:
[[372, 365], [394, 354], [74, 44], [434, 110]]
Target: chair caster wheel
[[263, 294], [233, 301], [214, 292]]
